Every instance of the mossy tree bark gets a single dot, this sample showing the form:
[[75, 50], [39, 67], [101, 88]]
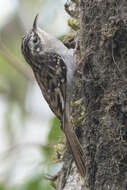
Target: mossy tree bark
[[99, 104]]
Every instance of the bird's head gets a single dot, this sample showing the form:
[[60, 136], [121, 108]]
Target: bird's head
[[34, 42], [37, 42]]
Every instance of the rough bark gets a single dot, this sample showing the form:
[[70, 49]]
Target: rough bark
[[99, 104]]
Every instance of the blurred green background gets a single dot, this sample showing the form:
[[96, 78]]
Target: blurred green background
[[28, 129]]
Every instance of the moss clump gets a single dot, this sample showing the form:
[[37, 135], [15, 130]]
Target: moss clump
[[68, 40], [78, 116], [74, 24]]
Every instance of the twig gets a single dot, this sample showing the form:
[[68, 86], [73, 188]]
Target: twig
[[15, 62], [3, 155]]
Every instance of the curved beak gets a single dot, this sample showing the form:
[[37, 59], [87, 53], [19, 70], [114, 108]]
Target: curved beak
[[35, 23]]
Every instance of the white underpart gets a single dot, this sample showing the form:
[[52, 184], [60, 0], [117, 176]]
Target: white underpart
[[54, 45]]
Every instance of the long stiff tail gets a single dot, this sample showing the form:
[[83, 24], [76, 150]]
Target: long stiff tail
[[76, 148]]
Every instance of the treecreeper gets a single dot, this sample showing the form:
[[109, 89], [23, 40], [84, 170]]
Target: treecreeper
[[54, 65]]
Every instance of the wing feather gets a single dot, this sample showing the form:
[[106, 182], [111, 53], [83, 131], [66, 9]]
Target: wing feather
[[52, 81]]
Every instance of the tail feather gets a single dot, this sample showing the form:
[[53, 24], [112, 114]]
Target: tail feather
[[76, 149], [72, 140]]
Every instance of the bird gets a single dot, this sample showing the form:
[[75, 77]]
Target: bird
[[54, 65]]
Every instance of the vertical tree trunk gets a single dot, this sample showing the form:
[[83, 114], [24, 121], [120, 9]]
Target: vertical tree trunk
[[99, 104]]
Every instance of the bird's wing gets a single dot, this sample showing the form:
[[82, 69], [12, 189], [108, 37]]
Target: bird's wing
[[51, 78]]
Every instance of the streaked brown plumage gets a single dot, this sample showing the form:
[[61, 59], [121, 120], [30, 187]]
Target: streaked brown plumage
[[53, 66]]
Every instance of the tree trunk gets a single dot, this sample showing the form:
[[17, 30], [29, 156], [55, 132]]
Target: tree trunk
[[99, 104]]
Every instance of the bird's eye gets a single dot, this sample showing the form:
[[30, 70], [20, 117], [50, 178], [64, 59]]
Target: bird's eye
[[35, 40]]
